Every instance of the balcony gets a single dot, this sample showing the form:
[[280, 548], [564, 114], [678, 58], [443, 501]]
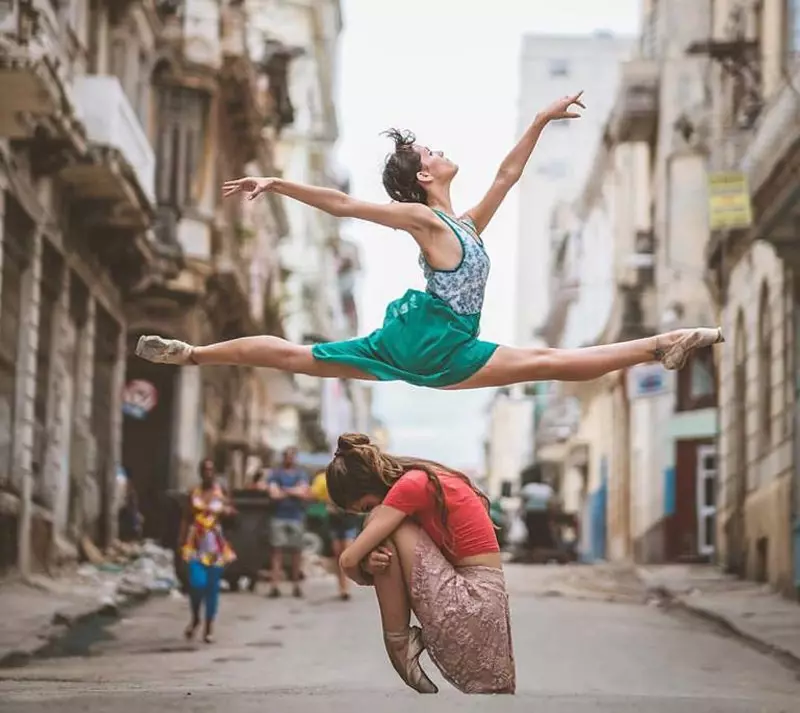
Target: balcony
[[196, 31], [228, 295], [121, 169], [30, 56], [769, 156], [234, 31], [635, 113], [637, 269]]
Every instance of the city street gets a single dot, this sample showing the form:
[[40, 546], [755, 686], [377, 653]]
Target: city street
[[575, 652]]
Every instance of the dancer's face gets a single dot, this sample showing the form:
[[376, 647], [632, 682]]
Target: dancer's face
[[436, 167], [365, 504]]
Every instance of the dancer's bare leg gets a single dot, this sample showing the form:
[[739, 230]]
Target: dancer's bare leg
[[403, 643], [263, 351], [510, 365]]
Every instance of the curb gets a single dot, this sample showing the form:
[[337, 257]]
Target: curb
[[62, 624], [784, 656]]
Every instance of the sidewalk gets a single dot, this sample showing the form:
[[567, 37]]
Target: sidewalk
[[750, 610], [41, 609]]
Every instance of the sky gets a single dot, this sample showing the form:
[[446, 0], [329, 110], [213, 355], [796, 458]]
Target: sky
[[447, 70]]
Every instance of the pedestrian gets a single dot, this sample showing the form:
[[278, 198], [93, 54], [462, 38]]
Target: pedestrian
[[343, 528], [257, 481], [289, 487], [428, 546], [205, 548], [431, 338]]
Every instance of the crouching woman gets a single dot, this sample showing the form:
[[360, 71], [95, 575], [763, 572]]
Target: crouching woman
[[428, 546]]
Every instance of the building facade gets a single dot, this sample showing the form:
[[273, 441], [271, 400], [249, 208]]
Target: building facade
[[78, 201], [645, 441], [752, 266], [119, 122], [320, 264], [551, 67]]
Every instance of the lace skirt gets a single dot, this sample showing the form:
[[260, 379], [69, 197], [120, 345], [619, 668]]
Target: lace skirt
[[465, 621]]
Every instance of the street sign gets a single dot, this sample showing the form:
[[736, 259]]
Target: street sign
[[729, 206]]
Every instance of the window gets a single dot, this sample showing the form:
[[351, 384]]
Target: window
[[18, 236], [793, 26], [697, 386], [130, 64], [181, 131], [764, 370], [559, 68]]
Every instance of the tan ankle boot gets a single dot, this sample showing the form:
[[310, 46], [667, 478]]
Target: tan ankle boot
[[404, 649]]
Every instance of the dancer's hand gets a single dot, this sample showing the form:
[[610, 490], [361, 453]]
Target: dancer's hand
[[561, 109], [378, 560], [252, 186]]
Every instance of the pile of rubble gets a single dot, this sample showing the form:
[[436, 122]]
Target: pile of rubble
[[127, 570]]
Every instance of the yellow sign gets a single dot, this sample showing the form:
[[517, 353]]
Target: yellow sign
[[729, 205]]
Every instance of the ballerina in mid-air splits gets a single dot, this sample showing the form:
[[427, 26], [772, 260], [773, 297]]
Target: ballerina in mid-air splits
[[431, 338]]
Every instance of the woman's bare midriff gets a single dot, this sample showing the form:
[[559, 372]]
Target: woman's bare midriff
[[489, 559]]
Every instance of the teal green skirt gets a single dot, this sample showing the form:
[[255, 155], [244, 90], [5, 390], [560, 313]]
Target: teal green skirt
[[422, 342]]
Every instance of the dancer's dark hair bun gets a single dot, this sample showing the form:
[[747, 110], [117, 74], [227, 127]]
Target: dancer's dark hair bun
[[401, 168], [348, 441]]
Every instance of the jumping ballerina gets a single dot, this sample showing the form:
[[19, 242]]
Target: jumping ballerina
[[431, 338]]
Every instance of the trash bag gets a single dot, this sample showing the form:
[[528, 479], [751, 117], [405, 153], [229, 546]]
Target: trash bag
[[517, 532]]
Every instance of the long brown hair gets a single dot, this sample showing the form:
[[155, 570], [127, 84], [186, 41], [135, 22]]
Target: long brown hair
[[360, 468]]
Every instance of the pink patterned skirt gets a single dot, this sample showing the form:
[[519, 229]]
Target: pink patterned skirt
[[465, 621]]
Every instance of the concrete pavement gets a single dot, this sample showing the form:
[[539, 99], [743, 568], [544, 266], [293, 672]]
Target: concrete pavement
[[574, 653], [750, 610]]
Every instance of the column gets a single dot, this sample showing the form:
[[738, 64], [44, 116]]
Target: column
[[116, 434], [187, 426], [26, 390], [2, 230], [85, 462], [61, 407]]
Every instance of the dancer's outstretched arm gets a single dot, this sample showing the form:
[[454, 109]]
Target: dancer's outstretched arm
[[513, 165], [414, 218]]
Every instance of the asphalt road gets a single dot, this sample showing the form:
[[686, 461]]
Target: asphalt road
[[321, 654]]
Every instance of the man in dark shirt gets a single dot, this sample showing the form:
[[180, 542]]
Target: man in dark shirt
[[290, 489]]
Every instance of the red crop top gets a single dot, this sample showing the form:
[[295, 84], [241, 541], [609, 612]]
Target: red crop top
[[471, 531]]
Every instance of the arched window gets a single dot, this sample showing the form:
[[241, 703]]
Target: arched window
[[764, 370], [739, 445]]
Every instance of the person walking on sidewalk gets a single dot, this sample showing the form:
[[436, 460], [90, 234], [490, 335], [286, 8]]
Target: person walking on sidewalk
[[343, 527], [289, 488], [205, 548], [428, 546]]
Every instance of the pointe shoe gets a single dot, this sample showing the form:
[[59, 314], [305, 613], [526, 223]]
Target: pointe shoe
[[674, 357], [404, 650], [164, 351]]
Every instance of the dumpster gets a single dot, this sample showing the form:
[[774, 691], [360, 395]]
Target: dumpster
[[248, 533]]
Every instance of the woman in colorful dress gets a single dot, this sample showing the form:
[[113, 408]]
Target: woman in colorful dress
[[205, 549], [431, 338], [428, 546]]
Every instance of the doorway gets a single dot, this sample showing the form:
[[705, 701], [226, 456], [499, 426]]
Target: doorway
[[148, 406], [706, 499]]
